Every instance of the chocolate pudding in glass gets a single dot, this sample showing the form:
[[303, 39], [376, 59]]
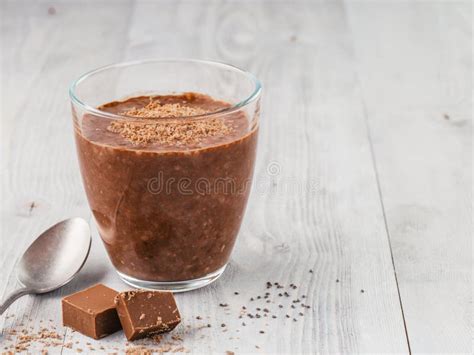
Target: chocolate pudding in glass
[[166, 150]]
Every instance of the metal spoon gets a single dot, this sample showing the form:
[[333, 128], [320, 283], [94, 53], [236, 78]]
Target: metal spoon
[[53, 259]]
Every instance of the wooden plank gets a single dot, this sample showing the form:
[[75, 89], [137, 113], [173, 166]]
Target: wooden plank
[[41, 54], [415, 66], [313, 133]]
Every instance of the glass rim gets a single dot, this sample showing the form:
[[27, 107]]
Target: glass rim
[[236, 107]]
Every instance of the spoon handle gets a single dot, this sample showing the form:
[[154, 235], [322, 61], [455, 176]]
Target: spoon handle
[[12, 297]]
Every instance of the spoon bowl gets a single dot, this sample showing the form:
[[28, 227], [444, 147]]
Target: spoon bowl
[[53, 259], [55, 256]]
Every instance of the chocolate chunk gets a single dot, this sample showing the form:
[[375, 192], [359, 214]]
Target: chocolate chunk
[[92, 311], [146, 313]]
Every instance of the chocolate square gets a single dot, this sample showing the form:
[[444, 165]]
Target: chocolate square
[[146, 313], [92, 311]]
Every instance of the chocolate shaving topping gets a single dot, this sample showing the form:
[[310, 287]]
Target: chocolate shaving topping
[[152, 128]]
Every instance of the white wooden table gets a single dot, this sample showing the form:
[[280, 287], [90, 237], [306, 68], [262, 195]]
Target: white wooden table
[[364, 169]]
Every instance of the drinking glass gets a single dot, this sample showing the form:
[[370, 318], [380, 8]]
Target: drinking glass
[[167, 215]]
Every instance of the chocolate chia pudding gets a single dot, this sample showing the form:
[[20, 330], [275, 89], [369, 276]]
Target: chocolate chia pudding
[[168, 182]]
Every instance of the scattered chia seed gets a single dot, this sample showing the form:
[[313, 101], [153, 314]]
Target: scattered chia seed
[[269, 297], [362, 291], [310, 271]]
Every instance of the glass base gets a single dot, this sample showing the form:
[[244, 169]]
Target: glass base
[[173, 286]]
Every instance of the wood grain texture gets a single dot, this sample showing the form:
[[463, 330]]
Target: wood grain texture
[[41, 55], [337, 99], [417, 94]]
